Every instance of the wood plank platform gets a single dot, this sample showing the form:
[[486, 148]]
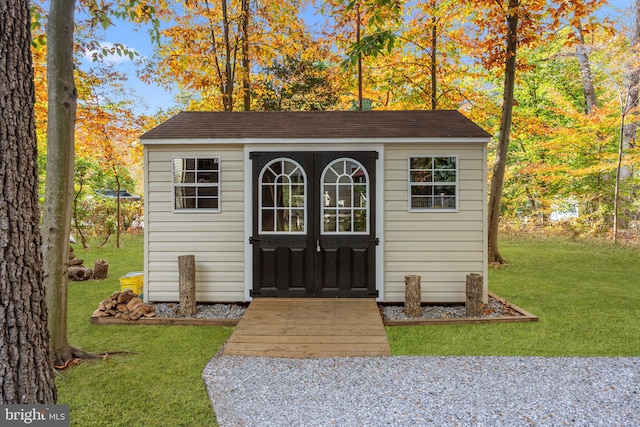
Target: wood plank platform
[[305, 328]]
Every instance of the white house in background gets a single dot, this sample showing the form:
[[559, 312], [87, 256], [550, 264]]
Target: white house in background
[[315, 204], [564, 210]]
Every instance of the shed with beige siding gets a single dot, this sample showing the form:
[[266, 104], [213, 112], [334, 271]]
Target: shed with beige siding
[[315, 204]]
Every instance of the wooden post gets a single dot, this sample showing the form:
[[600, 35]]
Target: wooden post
[[187, 276], [473, 304], [412, 296], [100, 268]]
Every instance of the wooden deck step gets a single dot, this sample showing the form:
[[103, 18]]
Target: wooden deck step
[[305, 328]]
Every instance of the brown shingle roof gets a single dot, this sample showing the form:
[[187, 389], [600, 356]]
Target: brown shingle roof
[[317, 124]]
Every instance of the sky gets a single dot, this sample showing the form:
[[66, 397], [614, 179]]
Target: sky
[[152, 98]]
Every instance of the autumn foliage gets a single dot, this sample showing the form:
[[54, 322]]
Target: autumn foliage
[[285, 54]]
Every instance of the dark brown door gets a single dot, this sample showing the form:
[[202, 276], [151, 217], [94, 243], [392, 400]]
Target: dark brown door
[[314, 224]]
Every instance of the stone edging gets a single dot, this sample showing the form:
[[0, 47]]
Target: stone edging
[[524, 317]]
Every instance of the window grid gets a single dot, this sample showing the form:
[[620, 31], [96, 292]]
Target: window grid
[[282, 198], [196, 184], [433, 183], [345, 193]]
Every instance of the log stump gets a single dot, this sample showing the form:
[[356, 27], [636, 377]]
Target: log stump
[[187, 277], [79, 273], [473, 303], [100, 268], [412, 295]]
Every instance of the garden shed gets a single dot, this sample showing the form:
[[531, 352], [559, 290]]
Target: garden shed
[[315, 204]]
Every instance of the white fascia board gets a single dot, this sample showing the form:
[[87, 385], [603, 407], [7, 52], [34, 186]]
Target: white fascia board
[[305, 141]]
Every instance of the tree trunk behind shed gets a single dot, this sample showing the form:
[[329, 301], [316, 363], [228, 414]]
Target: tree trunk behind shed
[[187, 277], [497, 179]]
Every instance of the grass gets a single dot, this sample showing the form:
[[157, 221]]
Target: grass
[[158, 385], [587, 296]]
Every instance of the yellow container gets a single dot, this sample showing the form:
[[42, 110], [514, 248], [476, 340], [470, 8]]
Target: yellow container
[[133, 281]]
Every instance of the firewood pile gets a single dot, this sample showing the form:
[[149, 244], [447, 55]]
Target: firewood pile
[[125, 305], [77, 271]]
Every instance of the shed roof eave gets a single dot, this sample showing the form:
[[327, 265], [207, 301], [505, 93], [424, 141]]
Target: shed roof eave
[[305, 141], [312, 125]]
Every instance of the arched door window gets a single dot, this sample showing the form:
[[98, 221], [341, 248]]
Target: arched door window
[[345, 197], [282, 197]]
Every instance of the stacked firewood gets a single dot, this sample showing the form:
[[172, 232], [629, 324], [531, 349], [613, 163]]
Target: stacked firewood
[[77, 271], [125, 305]]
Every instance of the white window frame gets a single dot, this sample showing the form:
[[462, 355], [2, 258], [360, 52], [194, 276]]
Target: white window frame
[[415, 184], [291, 208], [217, 160]]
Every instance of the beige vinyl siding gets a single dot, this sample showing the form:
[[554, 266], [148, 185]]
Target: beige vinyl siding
[[216, 239], [441, 247]]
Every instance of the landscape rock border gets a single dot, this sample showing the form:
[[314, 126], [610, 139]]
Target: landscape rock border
[[164, 318], [520, 315]]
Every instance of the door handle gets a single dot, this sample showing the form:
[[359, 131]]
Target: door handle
[[318, 249]]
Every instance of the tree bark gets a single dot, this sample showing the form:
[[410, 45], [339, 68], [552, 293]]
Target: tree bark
[[434, 60], [360, 83], [616, 189], [585, 70], [187, 279], [497, 181], [627, 137], [228, 70], [412, 295], [473, 302], [118, 200], [246, 83], [100, 269], [630, 128], [56, 220], [26, 371]]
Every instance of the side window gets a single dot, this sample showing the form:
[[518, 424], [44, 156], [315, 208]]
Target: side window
[[196, 184], [433, 183]]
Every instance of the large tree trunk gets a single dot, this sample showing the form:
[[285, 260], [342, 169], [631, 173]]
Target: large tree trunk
[[500, 164], [585, 71], [26, 371], [56, 219]]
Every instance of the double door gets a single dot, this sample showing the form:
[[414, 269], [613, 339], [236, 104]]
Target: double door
[[314, 230]]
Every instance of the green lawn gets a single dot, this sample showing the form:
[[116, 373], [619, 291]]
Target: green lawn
[[161, 384], [587, 296]]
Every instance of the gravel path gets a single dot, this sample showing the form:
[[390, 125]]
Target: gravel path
[[424, 391]]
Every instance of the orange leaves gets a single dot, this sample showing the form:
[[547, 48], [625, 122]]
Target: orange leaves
[[207, 49]]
